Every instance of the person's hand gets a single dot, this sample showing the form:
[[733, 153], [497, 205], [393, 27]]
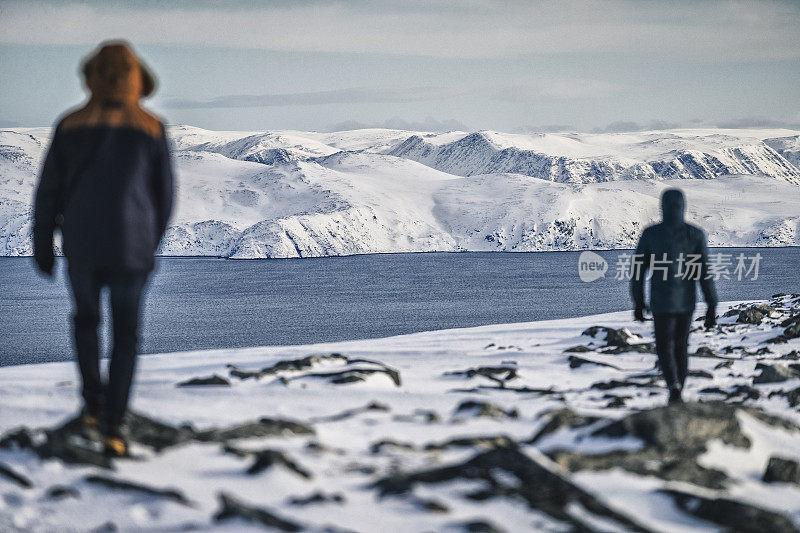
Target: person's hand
[[638, 312], [45, 263], [711, 317]]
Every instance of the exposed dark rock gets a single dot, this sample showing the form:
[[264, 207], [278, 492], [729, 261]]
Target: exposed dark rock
[[427, 416], [744, 351], [264, 427], [613, 337], [783, 470], [713, 390], [479, 409], [747, 391], [295, 365], [319, 448], [724, 364], [700, 374], [704, 351], [649, 381], [615, 401], [647, 462], [267, 458], [642, 347], [61, 492], [673, 437], [794, 355], [487, 442], [479, 526], [349, 413], [562, 418], [577, 362], [215, 380], [731, 514], [67, 443], [794, 319], [106, 527], [155, 434], [430, 505], [578, 349], [8, 473], [19, 438], [508, 472], [792, 396], [685, 426], [233, 508], [317, 497], [776, 373], [351, 375], [740, 392], [780, 339], [754, 314], [499, 374], [353, 370], [792, 332], [129, 486], [378, 447]]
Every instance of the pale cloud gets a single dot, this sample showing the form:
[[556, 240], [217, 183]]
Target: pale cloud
[[397, 123], [713, 30], [557, 88], [358, 95]]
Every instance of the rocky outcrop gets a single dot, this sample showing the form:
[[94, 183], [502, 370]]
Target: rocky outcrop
[[232, 507], [782, 470], [508, 472], [673, 437], [731, 514]]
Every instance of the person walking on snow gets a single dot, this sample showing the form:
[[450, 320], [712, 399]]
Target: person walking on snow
[[107, 184], [676, 254]]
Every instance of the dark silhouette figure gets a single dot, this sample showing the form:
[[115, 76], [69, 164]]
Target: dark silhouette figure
[[676, 255], [107, 184]]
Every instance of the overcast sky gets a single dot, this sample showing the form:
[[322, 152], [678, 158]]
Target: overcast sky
[[568, 64]]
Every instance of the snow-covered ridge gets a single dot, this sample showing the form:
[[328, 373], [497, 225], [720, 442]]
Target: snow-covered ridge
[[574, 158], [299, 194]]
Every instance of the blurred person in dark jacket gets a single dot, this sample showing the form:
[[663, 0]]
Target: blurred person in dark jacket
[[676, 255], [107, 183]]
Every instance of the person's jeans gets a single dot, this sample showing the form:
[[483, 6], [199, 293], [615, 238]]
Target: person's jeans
[[126, 290], [672, 339]]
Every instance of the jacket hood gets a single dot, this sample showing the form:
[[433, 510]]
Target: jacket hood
[[113, 73], [673, 206]]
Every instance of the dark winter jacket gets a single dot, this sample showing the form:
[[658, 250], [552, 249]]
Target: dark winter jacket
[[107, 177], [671, 293]]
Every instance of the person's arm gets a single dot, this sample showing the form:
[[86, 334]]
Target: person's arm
[[641, 258], [46, 206], [163, 184], [707, 283]]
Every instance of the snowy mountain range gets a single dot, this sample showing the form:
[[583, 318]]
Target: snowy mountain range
[[301, 194]]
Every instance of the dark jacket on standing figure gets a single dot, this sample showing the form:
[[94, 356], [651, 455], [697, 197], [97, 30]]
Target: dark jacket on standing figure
[[106, 179], [670, 293]]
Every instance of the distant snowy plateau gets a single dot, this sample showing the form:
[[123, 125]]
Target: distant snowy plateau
[[300, 194]]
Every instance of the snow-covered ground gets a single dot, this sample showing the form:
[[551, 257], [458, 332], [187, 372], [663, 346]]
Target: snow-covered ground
[[532, 426], [294, 193]]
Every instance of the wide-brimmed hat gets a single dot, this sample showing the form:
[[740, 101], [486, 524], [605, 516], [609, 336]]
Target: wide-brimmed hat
[[115, 51]]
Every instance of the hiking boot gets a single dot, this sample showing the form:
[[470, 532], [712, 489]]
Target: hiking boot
[[90, 424], [675, 397], [115, 446]]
